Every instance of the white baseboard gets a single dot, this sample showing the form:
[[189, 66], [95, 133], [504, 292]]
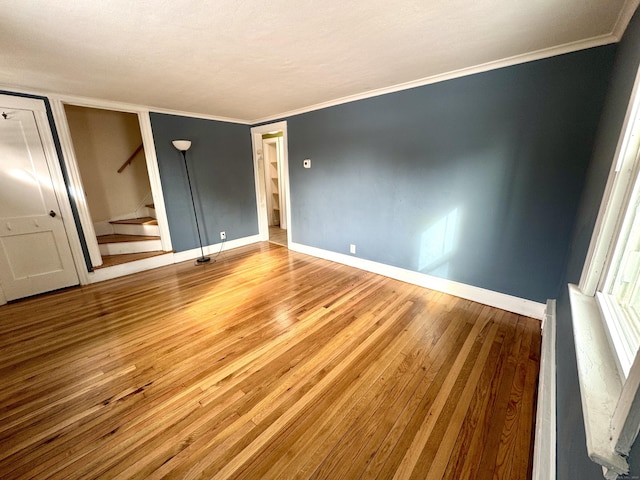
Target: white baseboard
[[503, 301], [108, 273], [213, 250], [544, 450]]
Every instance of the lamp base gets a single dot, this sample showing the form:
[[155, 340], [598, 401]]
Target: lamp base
[[203, 260]]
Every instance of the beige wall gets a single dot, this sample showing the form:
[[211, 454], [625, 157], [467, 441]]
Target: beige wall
[[103, 140]]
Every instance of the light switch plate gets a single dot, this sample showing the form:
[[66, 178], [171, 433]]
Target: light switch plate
[[306, 163]]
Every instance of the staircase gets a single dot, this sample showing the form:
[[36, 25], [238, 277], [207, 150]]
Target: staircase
[[133, 239]]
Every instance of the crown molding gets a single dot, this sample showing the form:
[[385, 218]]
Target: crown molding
[[621, 24], [200, 115], [627, 11], [463, 72], [91, 102]]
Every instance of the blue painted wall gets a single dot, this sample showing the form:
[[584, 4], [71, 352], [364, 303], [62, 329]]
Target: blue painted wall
[[475, 179], [221, 168], [572, 460]]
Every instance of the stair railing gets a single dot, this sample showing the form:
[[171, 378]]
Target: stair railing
[[130, 159]]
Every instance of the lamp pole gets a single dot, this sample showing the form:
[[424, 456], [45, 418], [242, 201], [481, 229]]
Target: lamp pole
[[183, 146]]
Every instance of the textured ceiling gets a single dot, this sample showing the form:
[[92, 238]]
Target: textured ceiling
[[249, 59]]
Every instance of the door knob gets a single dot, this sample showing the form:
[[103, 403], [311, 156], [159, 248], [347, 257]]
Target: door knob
[[52, 213]]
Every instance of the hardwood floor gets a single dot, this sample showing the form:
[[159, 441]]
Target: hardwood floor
[[267, 364], [278, 236]]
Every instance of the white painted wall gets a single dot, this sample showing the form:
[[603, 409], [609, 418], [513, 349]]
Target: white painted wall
[[103, 140]]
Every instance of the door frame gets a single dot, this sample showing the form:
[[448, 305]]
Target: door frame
[[282, 208], [39, 109], [75, 179], [259, 175]]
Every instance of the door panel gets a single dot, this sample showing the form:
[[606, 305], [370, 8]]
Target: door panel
[[35, 256]]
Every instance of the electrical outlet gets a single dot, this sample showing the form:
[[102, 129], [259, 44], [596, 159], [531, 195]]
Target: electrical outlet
[[223, 235], [352, 248]]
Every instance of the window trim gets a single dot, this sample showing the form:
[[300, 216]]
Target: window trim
[[600, 383], [617, 331], [611, 402], [616, 196]]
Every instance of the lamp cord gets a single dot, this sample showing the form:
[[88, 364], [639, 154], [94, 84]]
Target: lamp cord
[[219, 251]]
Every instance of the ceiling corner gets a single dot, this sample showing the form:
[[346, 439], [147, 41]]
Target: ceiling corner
[[624, 18]]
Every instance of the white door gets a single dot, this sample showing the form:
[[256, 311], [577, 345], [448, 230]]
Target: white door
[[35, 256]]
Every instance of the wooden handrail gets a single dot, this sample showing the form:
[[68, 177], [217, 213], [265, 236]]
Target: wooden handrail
[[130, 159]]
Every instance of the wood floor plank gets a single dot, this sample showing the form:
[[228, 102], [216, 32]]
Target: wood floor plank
[[310, 433], [494, 445], [435, 464], [265, 364], [468, 445], [350, 417], [478, 426], [509, 439], [390, 451], [521, 468], [440, 402], [318, 391]]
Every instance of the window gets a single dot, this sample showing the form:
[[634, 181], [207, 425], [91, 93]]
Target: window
[[606, 309], [613, 274], [619, 297]]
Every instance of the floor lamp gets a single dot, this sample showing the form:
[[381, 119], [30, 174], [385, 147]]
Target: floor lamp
[[183, 146]]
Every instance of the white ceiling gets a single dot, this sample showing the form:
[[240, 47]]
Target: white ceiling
[[250, 59]]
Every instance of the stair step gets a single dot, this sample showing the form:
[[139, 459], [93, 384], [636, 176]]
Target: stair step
[[119, 244], [136, 221], [119, 238], [111, 260], [145, 226]]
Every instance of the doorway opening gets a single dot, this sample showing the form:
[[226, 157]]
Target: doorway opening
[[111, 161], [272, 182], [276, 211]]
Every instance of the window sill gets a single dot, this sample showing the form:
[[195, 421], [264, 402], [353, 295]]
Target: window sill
[[600, 382]]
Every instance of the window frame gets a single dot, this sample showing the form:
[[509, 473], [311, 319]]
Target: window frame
[[610, 379]]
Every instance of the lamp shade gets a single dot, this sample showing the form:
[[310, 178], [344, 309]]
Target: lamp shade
[[182, 145]]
